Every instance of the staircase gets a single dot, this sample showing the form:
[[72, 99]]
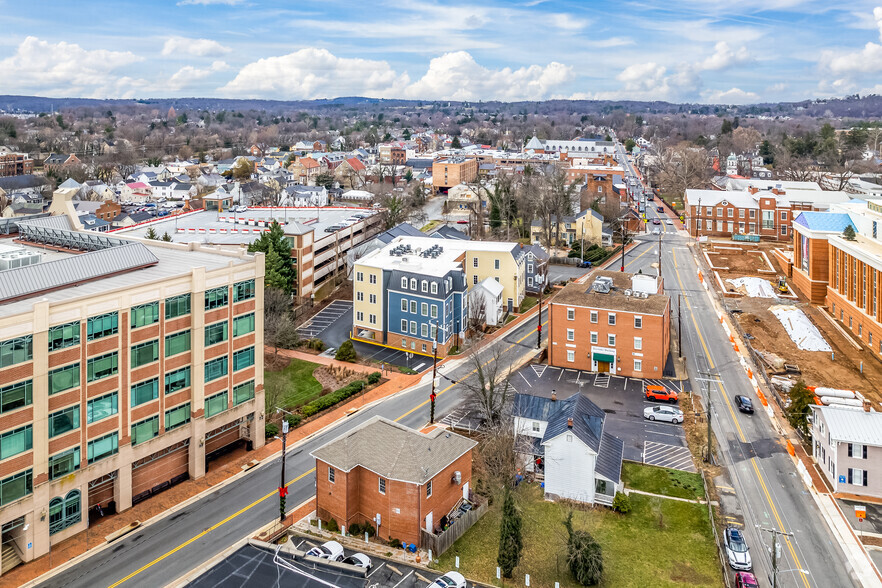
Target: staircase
[[9, 558]]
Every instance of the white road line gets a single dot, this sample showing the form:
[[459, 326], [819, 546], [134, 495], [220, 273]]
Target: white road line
[[374, 571], [528, 384], [409, 574]]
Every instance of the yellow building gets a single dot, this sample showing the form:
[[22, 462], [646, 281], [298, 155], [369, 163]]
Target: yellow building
[[587, 225]]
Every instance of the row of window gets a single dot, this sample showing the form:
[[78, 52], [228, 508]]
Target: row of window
[[359, 316], [730, 213], [359, 277], [425, 285], [610, 339], [426, 309], [571, 358], [610, 318], [730, 226], [424, 329]]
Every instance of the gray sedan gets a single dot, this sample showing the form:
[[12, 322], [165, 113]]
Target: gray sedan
[[663, 413]]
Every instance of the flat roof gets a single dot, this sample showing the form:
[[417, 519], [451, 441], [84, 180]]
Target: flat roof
[[451, 251]]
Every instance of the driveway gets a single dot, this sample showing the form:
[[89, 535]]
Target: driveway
[[562, 272]]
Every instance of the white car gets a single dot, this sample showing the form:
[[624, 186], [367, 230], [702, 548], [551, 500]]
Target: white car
[[737, 551], [669, 222], [663, 413], [656, 231], [449, 580], [359, 560], [331, 550]]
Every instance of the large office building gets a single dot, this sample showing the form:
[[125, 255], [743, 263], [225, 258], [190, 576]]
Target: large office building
[[124, 368]]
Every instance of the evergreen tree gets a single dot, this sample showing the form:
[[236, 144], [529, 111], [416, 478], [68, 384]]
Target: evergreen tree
[[151, 234], [279, 272], [511, 541], [346, 352], [584, 555], [726, 127], [848, 234], [166, 237], [455, 144], [800, 399]]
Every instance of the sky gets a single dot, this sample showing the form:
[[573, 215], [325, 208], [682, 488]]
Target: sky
[[709, 51]]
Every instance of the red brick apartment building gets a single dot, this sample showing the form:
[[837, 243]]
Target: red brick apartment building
[[617, 323], [385, 471], [15, 164]]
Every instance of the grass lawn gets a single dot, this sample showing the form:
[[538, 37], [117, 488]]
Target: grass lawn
[[301, 386], [662, 481], [426, 228], [661, 543], [526, 304]]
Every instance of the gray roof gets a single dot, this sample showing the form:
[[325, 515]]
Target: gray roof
[[22, 182], [448, 232], [394, 451], [29, 280], [587, 417], [609, 458], [403, 229], [852, 426]]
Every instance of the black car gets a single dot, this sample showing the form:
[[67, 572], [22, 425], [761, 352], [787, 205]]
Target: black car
[[744, 404]]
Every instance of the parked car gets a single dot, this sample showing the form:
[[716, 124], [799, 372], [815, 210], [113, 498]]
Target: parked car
[[669, 222], [449, 580], [239, 208], [462, 222], [661, 394], [656, 231], [663, 413], [656, 221], [659, 208], [744, 404], [330, 550], [358, 559], [583, 263], [737, 551], [745, 580]]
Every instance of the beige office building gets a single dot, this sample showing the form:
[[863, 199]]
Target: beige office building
[[124, 369]]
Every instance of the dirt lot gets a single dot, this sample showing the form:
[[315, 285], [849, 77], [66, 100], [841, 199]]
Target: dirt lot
[[818, 368], [744, 262]]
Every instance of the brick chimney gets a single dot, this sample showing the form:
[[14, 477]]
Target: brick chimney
[[554, 395], [752, 189], [867, 405], [570, 423]]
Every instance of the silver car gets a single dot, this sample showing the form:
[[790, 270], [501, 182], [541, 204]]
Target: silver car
[[663, 413]]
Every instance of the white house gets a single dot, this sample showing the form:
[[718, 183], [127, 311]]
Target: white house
[[486, 298], [564, 441], [302, 196]]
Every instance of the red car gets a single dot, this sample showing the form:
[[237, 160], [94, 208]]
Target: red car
[[745, 580], [462, 222]]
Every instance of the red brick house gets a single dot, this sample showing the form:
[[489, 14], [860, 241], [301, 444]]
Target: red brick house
[[383, 471]]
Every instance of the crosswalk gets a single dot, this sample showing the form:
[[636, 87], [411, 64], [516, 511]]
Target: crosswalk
[[601, 380]]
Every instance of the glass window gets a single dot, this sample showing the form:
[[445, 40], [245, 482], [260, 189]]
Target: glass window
[[611, 340], [102, 326], [243, 325], [424, 285], [594, 337], [177, 343], [424, 330], [424, 308], [16, 351], [382, 485], [145, 391], [17, 441], [145, 314], [571, 355], [243, 291], [145, 430], [216, 368], [216, 298], [63, 336], [102, 407], [16, 395], [571, 314], [638, 365], [373, 278], [243, 392], [413, 306], [145, 353], [434, 287], [359, 276], [403, 325], [64, 512], [177, 416], [216, 333], [428, 489], [331, 475], [177, 380], [404, 283], [64, 420], [638, 322], [434, 311], [177, 306], [571, 334], [64, 463], [216, 404], [101, 366], [102, 447], [17, 486], [593, 316], [612, 318], [638, 343], [243, 358], [64, 378]]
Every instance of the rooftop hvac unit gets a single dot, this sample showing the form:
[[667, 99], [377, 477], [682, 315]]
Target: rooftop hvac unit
[[627, 292], [600, 286]]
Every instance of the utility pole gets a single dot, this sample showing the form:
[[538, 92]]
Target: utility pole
[[679, 327], [774, 548], [434, 374], [539, 319], [623, 247], [659, 254], [283, 489], [698, 226], [707, 379]]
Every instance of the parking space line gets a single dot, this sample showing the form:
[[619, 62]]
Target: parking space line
[[528, 384]]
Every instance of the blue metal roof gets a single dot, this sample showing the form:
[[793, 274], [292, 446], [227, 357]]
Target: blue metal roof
[[834, 222], [401, 230]]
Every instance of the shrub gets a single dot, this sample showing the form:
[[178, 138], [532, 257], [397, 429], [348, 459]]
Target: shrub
[[373, 378], [316, 344], [346, 352], [332, 526], [396, 543], [293, 420], [355, 529], [584, 555], [323, 402], [369, 529], [406, 370], [621, 503], [271, 430]]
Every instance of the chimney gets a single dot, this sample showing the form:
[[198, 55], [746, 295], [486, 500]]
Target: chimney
[[752, 189], [867, 405], [570, 423], [554, 395]]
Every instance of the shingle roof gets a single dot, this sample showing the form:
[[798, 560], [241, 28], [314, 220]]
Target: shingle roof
[[394, 451], [403, 229], [22, 182], [852, 426], [825, 221]]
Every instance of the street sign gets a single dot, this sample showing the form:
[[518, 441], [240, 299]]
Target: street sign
[[860, 511], [842, 479]]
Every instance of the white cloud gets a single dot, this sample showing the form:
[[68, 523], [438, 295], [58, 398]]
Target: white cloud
[[194, 47], [877, 16], [731, 96], [848, 64], [724, 57], [568, 22], [188, 74], [56, 69], [209, 2]]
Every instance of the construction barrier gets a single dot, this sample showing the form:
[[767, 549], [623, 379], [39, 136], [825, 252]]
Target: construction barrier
[[790, 448]]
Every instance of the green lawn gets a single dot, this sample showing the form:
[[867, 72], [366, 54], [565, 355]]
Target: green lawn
[[426, 228], [661, 543], [662, 481], [301, 386], [526, 304]]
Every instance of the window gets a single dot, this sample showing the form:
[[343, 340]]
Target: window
[[638, 322], [373, 278], [611, 340], [429, 489], [17, 441], [433, 311], [730, 212], [373, 299], [145, 353], [612, 318], [413, 328], [857, 451], [64, 378], [638, 343], [145, 391], [244, 290], [64, 513], [783, 229], [424, 330], [404, 283], [359, 277], [740, 213], [64, 463], [64, 420], [474, 279], [102, 326], [177, 306], [434, 287], [638, 365], [243, 358], [145, 314], [751, 213], [64, 336], [783, 215], [529, 268], [571, 334], [102, 447], [571, 314], [216, 404], [177, 380], [372, 319], [708, 224], [719, 211], [17, 486], [359, 296], [857, 477], [216, 368], [413, 284], [145, 430], [404, 325], [594, 337], [216, 298], [216, 333], [413, 306], [593, 316], [102, 407], [177, 343], [243, 324], [709, 211], [424, 309], [177, 416], [331, 474], [403, 305], [571, 355], [243, 392], [474, 262], [496, 264], [424, 286], [16, 351], [101, 366], [382, 485]]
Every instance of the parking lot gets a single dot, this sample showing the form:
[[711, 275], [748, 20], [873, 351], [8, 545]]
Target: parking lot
[[324, 319], [623, 401]]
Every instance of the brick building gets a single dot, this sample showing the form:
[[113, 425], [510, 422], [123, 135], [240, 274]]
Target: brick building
[[383, 472], [15, 164], [447, 173], [618, 323]]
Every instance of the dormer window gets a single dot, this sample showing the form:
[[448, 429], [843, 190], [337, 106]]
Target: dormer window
[[404, 283]]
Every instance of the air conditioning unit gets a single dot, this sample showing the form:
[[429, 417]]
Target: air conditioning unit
[[628, 292], [457, 477]]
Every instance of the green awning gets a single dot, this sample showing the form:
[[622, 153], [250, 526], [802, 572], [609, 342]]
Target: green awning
[[604, 357]]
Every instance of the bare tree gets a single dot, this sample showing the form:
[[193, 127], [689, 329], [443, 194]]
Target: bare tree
[[490, 392], [681, 167], [273, 394], [278, 325], [498, 456], [477, 312]]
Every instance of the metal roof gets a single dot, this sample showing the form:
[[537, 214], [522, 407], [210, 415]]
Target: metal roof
[[825, 221], [852, 426], [29, 280], [609, 458], [587, 417]]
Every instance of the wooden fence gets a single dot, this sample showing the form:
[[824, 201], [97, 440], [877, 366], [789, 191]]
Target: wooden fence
[[441, 543]]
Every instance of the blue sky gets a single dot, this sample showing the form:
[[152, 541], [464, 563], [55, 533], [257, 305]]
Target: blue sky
[[737, 51]]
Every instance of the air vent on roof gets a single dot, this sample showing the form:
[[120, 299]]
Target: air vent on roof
[[600, 286]]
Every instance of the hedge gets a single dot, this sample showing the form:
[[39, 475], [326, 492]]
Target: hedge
[[329, 400]]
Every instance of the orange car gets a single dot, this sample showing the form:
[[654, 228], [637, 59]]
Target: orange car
[[661, 394]]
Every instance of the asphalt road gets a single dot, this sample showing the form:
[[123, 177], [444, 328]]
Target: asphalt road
[[171, 547]]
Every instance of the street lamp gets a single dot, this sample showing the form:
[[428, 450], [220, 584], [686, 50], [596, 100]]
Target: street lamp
[[283, 489], [434, 370], [709, 377]]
